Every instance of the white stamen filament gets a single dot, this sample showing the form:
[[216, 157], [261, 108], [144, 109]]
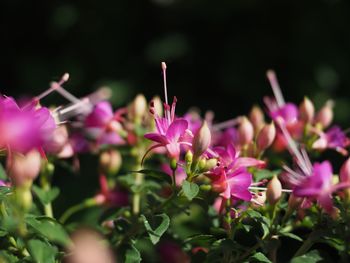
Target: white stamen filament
[[264, 189], [227, 124], [293, 148], [271, 75], [164, 83]]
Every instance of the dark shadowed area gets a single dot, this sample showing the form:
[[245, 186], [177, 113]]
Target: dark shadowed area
[[217, 52]]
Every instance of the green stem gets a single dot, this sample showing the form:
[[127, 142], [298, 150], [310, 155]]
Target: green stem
[[46, 186], [305, 246], [137, 195], [76, 208]]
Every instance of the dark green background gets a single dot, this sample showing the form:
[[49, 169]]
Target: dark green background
[[217, 51]]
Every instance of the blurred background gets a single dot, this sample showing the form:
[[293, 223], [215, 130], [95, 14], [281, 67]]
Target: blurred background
[[217, 52]]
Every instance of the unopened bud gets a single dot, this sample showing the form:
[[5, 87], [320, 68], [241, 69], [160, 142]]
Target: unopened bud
[[201, 140], [257, 118], [139, 106], [245, 132], [173, 164], [266, 136], [23, 195], [189, 157], [294, 202], [110, 161], [325, 115], [307, 110], [157, 105], [24, 168], [274, 191], [211, 163], [201, 164]]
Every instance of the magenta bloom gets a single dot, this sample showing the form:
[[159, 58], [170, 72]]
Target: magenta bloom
[[318, 186], [103, 125], [231, 178], [171, 132], [23, 129], [334, 138]]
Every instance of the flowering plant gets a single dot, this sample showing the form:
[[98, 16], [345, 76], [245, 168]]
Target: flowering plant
[[172, 188]]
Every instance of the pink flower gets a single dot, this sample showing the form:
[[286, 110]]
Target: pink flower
[[231, 178], [104, 125], [171, 132], [26, 128], [334, 138], [318, 185]]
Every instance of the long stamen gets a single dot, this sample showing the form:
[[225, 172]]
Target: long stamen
[[227, 124], [166, 108], [264, 189], [164, 83], [271, 75], [293, 148], [64, 79]]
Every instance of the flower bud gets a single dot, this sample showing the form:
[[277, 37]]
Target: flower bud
[[245, 132], [189, 157], [274, 191], [201, 140], [345, 171], [257, 118], [325, 115], [24, 168], [110, 161], [307, 110], [266, 136], [138, 107], [88, 247], [210, 164], [158, 106]]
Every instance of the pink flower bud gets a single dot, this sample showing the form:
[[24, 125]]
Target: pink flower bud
[[266, 136], [345, 171], [274, 191], [110, 161], [201, 140], [24, 168], [257, 118], [88, 247], [307, 110], [245, 132], [325, 115]]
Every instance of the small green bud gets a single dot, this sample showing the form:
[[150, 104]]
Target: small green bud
[[173, 164], [211, 163]]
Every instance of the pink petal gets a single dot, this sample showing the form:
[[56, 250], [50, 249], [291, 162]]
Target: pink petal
[[176, 129], [156, 137], [173, 149], [326, 202]]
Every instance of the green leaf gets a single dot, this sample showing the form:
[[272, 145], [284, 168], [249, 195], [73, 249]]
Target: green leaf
[[3, 175], [190, 189], [199, 238], [311, 257], [6, 257], [264, 174], [4, 192], [159, 175], [46, 197], [132, 255], [50, 229], [41, 251], [155, 234], [291, 235], [259, 257]]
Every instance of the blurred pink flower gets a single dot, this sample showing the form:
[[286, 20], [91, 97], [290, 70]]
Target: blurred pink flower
[[26, 128], [334, 138]]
